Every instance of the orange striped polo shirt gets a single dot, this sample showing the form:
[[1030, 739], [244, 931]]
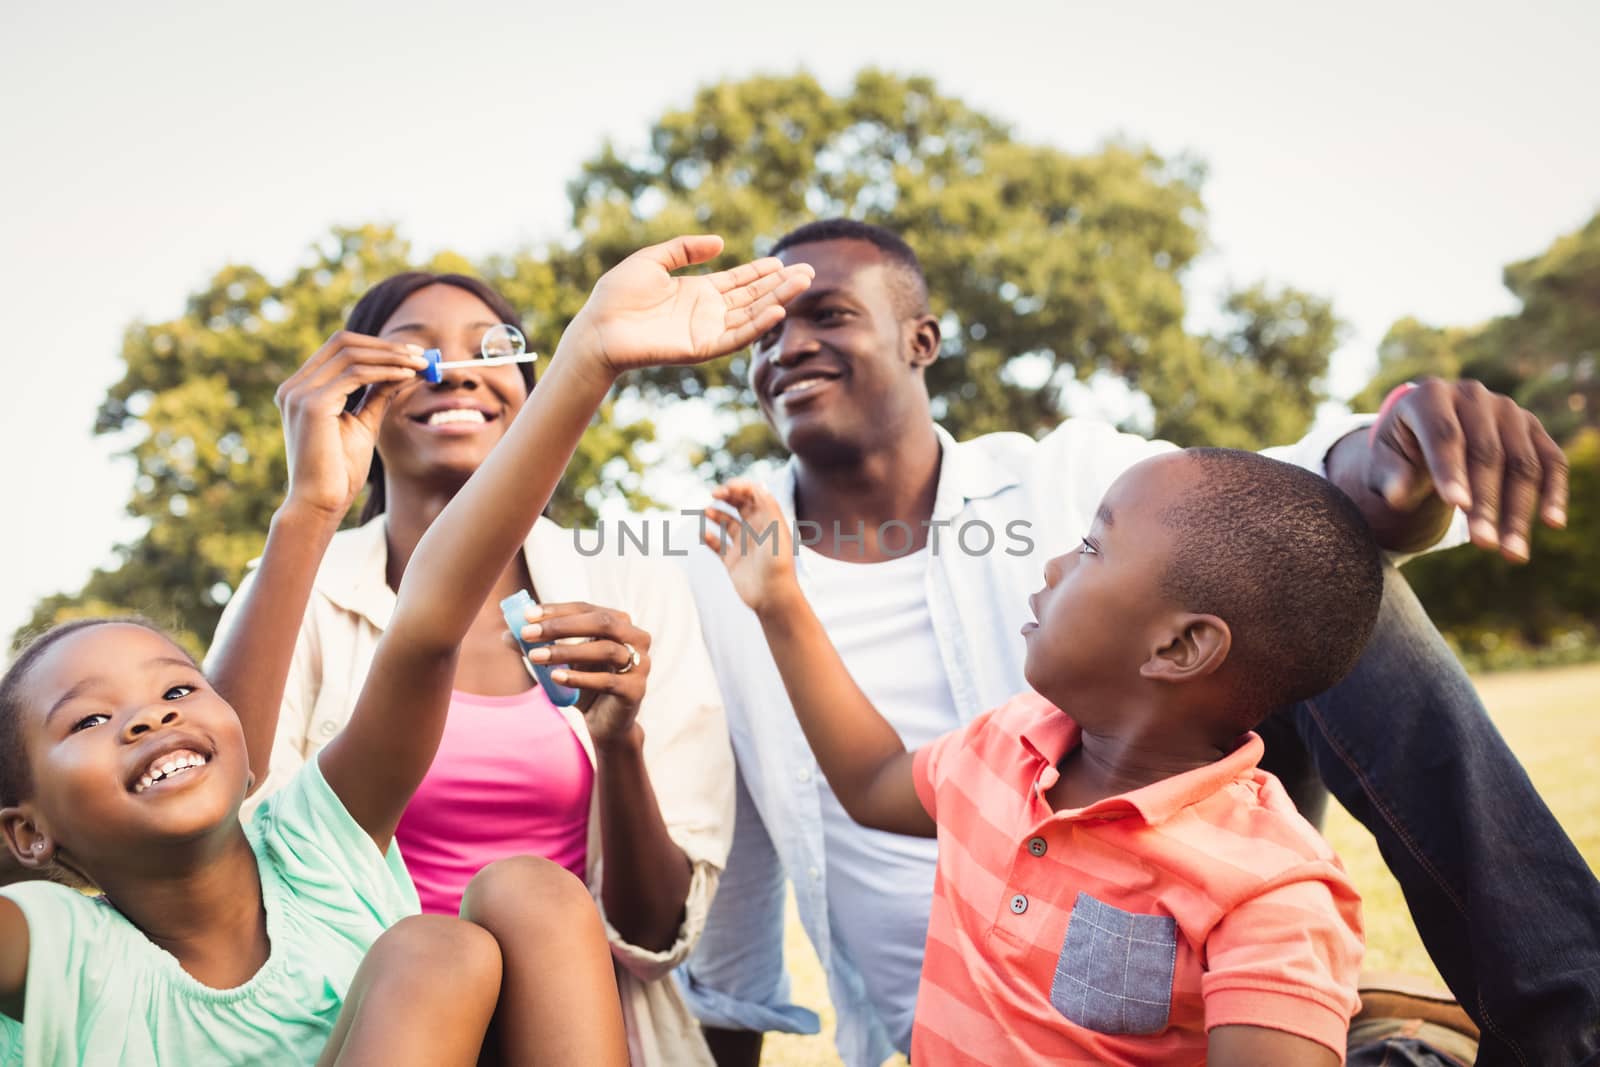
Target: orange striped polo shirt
[[1121, 932]]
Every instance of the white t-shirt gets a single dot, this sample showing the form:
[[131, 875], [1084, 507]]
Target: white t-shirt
[[880, 885]]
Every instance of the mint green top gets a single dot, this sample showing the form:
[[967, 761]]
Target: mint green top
[[100, 992]]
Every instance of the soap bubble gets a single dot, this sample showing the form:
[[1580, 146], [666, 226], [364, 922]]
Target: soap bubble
[[502, 341]]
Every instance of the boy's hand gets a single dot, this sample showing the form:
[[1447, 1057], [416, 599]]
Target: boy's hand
[[609, 661], [330, 449], [639, 315], [756, 547]]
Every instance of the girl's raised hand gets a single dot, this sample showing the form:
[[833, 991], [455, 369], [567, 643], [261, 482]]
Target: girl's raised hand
[[756, 546], [330, 449], [640, 315]]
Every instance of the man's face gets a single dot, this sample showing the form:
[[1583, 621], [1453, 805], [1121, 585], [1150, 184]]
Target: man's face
[[843, 370], [1101, 611]]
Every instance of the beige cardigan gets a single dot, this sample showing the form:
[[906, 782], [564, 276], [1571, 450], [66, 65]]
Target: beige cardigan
[[685, 735]]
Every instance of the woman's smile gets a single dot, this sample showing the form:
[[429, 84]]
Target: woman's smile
[[454, 416]]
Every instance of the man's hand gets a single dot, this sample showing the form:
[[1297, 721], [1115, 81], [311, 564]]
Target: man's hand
[[756, 547], [1445, 445], [640, 315]]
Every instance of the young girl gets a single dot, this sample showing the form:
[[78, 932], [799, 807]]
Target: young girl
[[123, 770], [631, 789]]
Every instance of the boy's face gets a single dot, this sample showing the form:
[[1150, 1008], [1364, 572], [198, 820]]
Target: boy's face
[[129, 748], [1101, 611]]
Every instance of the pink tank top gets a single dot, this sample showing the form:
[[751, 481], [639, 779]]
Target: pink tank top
[[511, 778]]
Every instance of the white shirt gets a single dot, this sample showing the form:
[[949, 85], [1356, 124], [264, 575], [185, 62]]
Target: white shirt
[[879, 885]]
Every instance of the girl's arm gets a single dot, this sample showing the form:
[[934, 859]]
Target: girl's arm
[[13, 958], [638, 315], [866, 763], [329, 454]]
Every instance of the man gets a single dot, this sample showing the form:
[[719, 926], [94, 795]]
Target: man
[[922, 552]]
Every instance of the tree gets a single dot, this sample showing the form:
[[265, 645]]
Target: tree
[[1045, 266], [1545, 355], [198, 391], [1038, 260]]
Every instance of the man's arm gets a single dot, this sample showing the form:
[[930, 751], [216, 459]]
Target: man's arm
[[1442, 445], [865, 761]]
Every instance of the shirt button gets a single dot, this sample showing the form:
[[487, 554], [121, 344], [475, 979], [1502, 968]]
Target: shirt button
[[803, 774], [813, 873], [1019, 904], [327, 729], [1037, 846]]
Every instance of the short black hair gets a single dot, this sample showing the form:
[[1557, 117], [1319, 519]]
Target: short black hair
[[378, 304], [1287, 561], [16, 776], [911, 287]]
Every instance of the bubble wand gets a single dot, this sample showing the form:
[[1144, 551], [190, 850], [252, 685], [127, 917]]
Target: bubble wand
[[501, 345]]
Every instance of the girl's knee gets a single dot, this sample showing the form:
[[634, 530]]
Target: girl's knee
[[428, 948], [527, 890]]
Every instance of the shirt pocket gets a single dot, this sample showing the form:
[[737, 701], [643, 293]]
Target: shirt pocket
[[1114, 975]]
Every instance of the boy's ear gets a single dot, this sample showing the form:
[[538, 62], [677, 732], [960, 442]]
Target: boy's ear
[[33, 848], [925, 340], [1192, 648]]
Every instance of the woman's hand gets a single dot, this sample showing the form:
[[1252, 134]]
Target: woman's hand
[[330, 449], [640, 315], [756, 546], [609, 662]]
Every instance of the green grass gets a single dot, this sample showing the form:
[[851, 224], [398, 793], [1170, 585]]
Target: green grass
[[1548, 717]]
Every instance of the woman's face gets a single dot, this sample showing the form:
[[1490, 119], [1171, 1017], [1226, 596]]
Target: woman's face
[[433, 432]]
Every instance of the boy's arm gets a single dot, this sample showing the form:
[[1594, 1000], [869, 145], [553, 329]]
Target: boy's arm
[[1256, 1046], [866, 763], [329, 454], [638, 315], [13, 958]]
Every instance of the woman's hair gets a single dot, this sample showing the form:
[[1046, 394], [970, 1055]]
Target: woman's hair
[[16, 777], [376, 307]]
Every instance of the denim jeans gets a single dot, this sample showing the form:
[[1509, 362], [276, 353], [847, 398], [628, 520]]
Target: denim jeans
[[1506, 906]]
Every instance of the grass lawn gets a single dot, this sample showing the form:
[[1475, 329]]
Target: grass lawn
[[1550, 718]]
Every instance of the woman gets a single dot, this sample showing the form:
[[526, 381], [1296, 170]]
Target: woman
[[632, 791]]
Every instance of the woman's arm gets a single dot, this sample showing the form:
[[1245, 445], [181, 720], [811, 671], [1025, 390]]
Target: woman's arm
[[646, 873], [638, 315], [329, 452]]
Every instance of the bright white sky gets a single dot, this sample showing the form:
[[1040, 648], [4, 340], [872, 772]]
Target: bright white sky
[[1393, 156]]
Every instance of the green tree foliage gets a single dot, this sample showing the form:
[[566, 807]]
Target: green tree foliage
[[1546, 355], [197, 396], [1045, 266], [1066, 264]]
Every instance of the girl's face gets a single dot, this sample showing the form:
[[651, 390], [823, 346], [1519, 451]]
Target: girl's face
[[131, 752], [446, 430]]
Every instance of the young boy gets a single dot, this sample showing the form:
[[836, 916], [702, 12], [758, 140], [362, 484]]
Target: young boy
[[1117, 881]]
